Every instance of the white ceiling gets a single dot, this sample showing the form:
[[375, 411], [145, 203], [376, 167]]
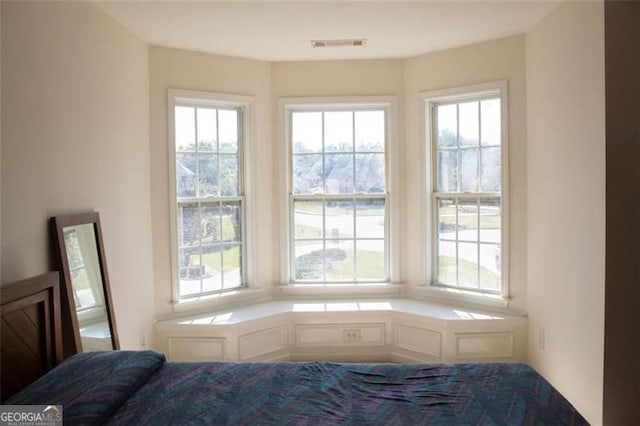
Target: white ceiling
[[281, 31]]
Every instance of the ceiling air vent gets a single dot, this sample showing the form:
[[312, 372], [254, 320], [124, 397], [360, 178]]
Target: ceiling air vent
[[336, 43]]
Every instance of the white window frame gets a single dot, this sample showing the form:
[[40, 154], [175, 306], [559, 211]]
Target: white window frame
[[427, 101], [247, 105], [387, 103]]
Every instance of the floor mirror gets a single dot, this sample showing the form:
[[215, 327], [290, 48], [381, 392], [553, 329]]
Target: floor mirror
[[88, 317]]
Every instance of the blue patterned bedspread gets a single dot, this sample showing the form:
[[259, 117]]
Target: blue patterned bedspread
[[315, 393]]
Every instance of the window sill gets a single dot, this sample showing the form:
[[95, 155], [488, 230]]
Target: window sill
[[330, 308], [340, 290], [242, 296], [466, 297]]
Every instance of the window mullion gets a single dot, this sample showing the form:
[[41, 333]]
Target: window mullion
[[198, 204], [355, 238], [457, 201], [458, 154], [478, 237], [479, 188], [324, 201], [324, 241], [221, 244]]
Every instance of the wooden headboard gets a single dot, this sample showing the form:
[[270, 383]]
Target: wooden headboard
[[30, 331]]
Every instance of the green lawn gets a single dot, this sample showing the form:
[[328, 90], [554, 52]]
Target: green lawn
[[370, 265], [231, 259], [228, 233], [468, 273]]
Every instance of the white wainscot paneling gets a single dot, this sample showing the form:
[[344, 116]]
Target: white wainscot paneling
[[483, 345], [196, 349], [320, 335], [418, 340], [399, 330], [261, 344]]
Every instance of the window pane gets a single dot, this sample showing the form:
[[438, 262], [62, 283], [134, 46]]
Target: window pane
[[185, 175], [74, 253], [370, 173], [339, 260], [211, 230], [467, 220], [338, 131], [490, 258], [228, 130], [491, 170], [207, 175], [370, 260], [232, 258], [231, 221], [228, 175], [447, 218], [468, 264], [185, 129], [469, 170], [338, 173], [207, 139], [308, 219], [468, 122], [211, 268], [447, 125], [370, 131], [447, 170], [306, 132], [370, 219], [490, 221], [447, 263], [307, 174], [189, 271], [309, 261], [188, 224], [490, 116], [339, 220]]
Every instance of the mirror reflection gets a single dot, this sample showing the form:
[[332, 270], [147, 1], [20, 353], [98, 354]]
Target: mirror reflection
[[88, 287], [87, 309]]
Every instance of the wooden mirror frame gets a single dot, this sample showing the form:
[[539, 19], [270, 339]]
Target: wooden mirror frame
[[71, 341]]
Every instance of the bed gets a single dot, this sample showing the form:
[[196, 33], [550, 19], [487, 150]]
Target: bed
[[141, 387]]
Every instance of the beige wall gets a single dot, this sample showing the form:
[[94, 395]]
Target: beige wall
[[181, 69], [566, 187], [75, 138], [502, 59]]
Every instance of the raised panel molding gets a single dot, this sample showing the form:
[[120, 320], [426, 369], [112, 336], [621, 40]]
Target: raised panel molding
[[375, 331], [483, 345], [418, 340], [264, 342], [321, 335], [196, 349]]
